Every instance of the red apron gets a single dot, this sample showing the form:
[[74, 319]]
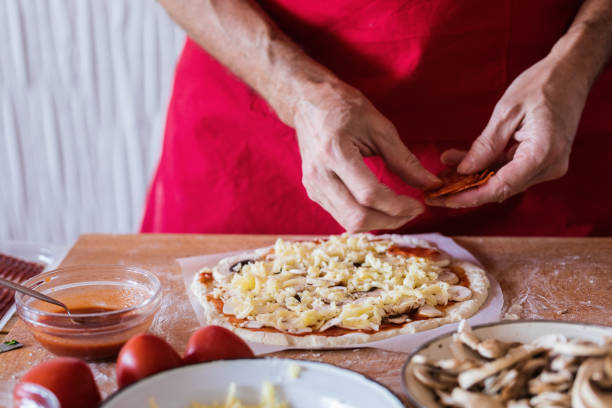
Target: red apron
[[434, 68]]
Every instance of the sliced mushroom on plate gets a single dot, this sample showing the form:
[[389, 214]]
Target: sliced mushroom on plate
[[558, 377], [514, 389], [492, 348], [603, 378], [458, 293], [429, 311], [534, 365], [397, 319], [330, 323], [434, 377], [585, 393], [561, 363], [551, 399], [469, 399], [467, 336], [494, 384], [471, 377], [464, 354], [448, 277], [403, 305], [553, 371], [581, 349], [537, 386], [445, 398], [489, 348], [522, 403], [454, 366]]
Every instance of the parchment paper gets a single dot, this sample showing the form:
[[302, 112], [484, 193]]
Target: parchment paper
[[489, 312]]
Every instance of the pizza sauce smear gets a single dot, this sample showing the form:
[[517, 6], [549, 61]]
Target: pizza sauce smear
[[428, 253], [463, 279], [419, 252]]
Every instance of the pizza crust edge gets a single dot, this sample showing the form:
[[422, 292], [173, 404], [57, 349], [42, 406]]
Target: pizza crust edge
[[479, 284]]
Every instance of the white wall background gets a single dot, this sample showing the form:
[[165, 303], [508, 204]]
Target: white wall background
[[84, 86]]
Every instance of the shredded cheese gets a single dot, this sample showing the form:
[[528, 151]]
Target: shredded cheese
[[351, 281], [294, 371]]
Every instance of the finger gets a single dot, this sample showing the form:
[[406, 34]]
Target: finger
[[493, 140], [402, 162], [511, 179], [452, 157], [338, 200], [368, 191]]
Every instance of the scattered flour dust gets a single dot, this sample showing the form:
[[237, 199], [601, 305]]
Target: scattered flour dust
[[172, 311], [541, 295]]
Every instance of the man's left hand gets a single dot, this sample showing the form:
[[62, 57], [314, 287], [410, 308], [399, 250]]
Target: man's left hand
[[530, 132]]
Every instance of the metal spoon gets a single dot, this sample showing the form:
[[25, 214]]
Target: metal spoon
[[37, 295]]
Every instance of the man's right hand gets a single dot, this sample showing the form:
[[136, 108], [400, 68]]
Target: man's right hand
[[336, 125], [336, 128]]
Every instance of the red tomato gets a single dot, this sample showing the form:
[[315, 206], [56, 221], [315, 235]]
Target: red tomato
[[215, 343], [142, 356], [69, 379]]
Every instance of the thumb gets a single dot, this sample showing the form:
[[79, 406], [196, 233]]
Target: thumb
[[492, 141]]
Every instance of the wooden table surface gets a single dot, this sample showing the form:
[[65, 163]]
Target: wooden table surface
[[541, 278]]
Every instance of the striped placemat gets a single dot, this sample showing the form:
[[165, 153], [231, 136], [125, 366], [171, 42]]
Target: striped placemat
[[16, 270]]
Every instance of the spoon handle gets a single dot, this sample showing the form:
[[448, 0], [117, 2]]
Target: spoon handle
[[30, 292]]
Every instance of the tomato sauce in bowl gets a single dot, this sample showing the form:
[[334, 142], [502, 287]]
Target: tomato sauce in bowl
[[108, 304]]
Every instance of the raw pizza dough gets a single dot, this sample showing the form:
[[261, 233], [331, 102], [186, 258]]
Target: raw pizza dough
[[478, 284]]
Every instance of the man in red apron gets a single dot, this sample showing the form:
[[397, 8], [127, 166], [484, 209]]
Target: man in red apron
[[276, 103]]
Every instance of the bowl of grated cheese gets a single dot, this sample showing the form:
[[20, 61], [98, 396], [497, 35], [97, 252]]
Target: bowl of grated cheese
[[255, 383], [267, 399]]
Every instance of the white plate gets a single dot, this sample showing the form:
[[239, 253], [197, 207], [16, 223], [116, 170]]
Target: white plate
[[524, 331], [48, 255], [318, 385]]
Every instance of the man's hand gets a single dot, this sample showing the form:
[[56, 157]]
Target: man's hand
[[336, 128], [534, 124], [539, 113]]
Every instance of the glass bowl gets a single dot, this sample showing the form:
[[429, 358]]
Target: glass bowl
[[32, 395], [108, 304]]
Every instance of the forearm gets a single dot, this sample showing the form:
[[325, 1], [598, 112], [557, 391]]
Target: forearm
[[587, 45], [240, 35]]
